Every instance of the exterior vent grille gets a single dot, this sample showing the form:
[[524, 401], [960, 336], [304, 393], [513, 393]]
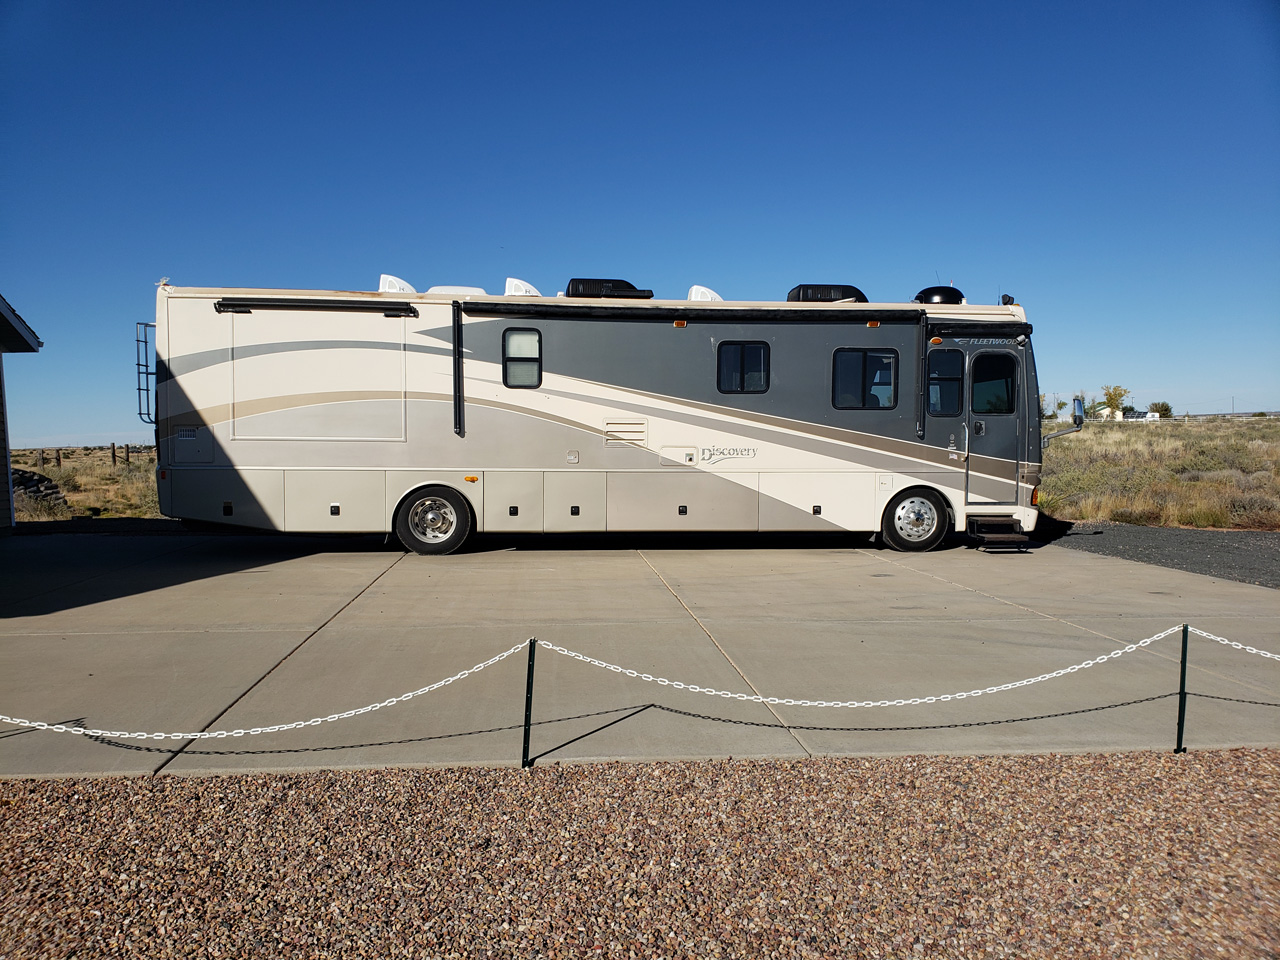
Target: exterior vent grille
[[625, 433], [186, 433]]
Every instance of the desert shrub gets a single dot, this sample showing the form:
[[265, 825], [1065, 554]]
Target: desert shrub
[[65, 477], [1198, 473], [26, 508]]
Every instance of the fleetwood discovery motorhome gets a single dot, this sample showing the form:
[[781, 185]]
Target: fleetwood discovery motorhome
[[442, 413]]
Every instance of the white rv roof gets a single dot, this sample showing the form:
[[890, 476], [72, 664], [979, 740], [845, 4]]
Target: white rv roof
[[966, 311]]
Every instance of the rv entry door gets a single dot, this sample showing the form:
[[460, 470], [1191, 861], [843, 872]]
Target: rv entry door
[[994, 417]]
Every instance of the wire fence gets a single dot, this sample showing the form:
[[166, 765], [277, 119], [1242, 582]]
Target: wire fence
[[533, 644]]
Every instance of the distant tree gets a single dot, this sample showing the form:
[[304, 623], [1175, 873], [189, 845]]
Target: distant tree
[[1044, 410], [1128, 409], [1114, 397], [1165, 410]]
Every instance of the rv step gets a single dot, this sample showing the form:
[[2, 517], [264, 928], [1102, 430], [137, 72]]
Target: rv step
[[997, 531]]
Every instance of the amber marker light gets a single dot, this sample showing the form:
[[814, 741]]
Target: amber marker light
[[1035, 496], [471, 479], [680, 323], [873, 323], [936, 340]]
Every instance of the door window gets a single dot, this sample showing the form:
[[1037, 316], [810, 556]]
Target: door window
[[995, 381]]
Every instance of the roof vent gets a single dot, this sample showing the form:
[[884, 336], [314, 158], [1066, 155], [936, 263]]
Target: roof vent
[[612, 289], [458, 291], [389, 284], [518, 288], [699, 292], [825, 293], [939, 295]]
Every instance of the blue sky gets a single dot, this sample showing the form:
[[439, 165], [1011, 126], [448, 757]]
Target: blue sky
[[1112, 165]]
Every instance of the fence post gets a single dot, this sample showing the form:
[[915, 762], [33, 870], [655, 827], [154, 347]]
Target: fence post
[[57, 458], [126, 454], [1182, 693], [525, 762], [113, 454]]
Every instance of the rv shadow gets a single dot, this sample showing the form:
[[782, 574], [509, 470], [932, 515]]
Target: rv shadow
[[493, 543]]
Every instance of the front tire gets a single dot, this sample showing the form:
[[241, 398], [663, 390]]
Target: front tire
[[434, 521], [915, 520]]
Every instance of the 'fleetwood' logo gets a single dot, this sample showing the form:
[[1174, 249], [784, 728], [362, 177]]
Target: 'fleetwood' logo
[[716, 454]]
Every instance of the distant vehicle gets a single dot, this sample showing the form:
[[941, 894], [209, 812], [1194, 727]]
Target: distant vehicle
[[439, 414]]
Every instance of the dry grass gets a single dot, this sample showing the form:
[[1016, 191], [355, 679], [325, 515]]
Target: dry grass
[[1215, 473], [92, 485]]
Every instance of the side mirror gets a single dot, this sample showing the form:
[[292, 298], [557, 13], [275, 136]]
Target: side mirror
[[1077, 423]]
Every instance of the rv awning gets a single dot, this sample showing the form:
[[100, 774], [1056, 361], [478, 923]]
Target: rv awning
[[15, 335]]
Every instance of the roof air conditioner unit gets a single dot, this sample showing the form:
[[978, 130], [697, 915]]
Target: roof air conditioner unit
[[825, 293]]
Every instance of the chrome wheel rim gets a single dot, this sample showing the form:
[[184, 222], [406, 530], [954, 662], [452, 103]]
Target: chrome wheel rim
[[432, 520], [915, 519]]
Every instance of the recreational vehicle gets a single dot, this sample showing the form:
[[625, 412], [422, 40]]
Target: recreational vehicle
[[440, 414]]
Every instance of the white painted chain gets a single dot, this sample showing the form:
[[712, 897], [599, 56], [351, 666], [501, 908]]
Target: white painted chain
[[1237, 646], [275, 728], [790, 702]]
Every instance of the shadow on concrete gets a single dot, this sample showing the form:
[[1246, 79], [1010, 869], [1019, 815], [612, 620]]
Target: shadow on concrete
[[62, 565], [537, 542], [628, 712], [59, 565]]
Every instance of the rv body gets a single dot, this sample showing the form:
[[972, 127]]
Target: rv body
[[435, 415]]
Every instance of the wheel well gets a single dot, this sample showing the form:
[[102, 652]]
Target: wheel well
[[921, 488], [471, 508]]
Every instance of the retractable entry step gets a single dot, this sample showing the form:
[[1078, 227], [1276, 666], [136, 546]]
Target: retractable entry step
[[1000, 532]]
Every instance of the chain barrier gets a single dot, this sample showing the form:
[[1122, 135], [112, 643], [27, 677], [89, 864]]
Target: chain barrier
[[275, 728], [662, 681], [931, 726], [1256, 703], [914, 701], [1231, 643]]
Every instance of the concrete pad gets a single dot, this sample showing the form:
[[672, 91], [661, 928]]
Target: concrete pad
[[425, 621], [37, 566], [183, 632], [141, 683], [1054, 582], [231, 583]]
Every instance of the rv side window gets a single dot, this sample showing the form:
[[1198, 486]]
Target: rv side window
[[864, 379], [995, 379], [742, 367], [946, 382], [522, 358]]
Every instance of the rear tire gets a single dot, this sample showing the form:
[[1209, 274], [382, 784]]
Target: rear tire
[[433, 521], [915, 520]]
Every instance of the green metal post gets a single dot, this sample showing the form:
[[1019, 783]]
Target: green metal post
[[525, 762], [1182, 693]]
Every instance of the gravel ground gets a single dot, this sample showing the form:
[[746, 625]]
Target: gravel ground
[[1123, 855], [1247, 556]]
